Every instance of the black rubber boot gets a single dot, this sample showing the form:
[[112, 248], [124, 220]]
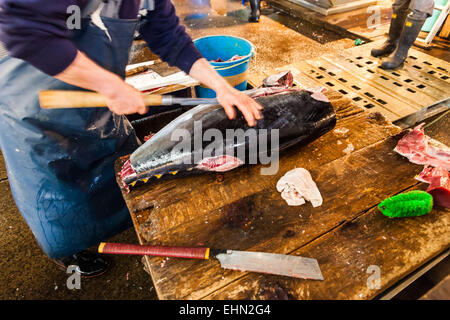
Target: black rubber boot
[[409, 35], [88, 264], [395, 29], [256, 10]]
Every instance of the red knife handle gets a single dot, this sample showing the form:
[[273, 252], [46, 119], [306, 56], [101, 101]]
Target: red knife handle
[[132, 249]]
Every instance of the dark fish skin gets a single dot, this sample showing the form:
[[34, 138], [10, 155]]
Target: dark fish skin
[[298, 116]]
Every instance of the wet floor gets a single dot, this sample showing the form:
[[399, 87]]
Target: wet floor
[[240, 17], [302, 26], [279, 39], [226, 13]]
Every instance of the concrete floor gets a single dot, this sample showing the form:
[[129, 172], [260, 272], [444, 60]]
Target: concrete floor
[[26, 273]]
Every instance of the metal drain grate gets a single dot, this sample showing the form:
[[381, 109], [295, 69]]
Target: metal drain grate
[[417, 92], [363, 94], [420, 83]]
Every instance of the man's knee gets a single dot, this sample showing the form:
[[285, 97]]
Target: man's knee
[[418, 15], [401, 5], [421, 9]]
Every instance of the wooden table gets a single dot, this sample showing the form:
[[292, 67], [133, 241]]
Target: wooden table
[[245, 212]]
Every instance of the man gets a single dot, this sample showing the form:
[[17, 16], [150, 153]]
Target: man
[[403, 30], [60, 162], [255, 12]]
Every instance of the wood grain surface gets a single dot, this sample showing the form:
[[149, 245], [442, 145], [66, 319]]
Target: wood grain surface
[[242, 210]]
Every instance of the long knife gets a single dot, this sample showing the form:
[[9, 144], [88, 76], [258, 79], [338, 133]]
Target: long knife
[[280, 264], [62, 99]]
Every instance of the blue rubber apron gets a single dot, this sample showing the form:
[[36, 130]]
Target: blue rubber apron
[[60, 162]]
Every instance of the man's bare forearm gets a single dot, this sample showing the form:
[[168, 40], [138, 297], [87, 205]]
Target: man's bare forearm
[[85, 73], [121, 97], [202, 71]]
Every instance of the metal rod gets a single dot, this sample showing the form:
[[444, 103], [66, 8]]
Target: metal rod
[[169, 100]]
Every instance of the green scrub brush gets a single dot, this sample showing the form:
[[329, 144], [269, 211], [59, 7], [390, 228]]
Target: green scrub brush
[[409, 204]]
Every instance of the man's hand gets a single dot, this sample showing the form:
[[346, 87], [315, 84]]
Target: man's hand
[[230, 97], [123, 98], [227, 96]]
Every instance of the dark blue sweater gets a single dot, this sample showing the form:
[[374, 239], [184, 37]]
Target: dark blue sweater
[[35, 31]]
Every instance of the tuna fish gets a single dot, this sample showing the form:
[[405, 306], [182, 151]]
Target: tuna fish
[[290, 117]]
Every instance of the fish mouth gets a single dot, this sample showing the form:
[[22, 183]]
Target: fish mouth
[[221, 163], [131, 178]]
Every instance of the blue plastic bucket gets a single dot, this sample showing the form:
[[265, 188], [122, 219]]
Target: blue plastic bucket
[[225, 47]]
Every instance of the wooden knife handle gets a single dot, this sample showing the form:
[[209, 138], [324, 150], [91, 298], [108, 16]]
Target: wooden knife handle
[[176, 252], [61, 99]]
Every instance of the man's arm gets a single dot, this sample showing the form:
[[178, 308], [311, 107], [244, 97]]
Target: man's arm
[[168, 39], [121, 97], [36, 31], [44, 42]]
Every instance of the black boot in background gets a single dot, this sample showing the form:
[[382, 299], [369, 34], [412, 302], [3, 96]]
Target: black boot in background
[[395, 30], [409, 34], [256, 10]]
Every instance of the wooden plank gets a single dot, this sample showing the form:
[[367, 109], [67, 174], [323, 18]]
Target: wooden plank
[[369, 96], [419, 64], [418, 60], [194, 211], [396, 246], [400, 285], [445, 31], [428, 64], [373, 33], [305, 80], [386, 84], [265, 223], [171, 88], [441, 291], [409, 77]]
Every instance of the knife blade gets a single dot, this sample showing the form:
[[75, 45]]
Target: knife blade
[[280, 264], [261, 262]]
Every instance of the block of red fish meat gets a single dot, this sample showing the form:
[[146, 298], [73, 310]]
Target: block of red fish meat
[[421, 149], [439, 188]]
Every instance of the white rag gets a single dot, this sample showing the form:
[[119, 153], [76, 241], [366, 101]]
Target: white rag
[[296, 186]]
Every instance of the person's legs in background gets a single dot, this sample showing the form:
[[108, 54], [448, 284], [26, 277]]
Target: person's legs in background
[[420, 11], [255, 10], [400, 9]]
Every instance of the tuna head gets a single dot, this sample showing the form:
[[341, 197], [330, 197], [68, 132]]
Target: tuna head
[[203, 139]]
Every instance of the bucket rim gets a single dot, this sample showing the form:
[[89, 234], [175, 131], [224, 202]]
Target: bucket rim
[[230, 63]]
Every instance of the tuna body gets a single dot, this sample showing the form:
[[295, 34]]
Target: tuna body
[[188, 145]]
